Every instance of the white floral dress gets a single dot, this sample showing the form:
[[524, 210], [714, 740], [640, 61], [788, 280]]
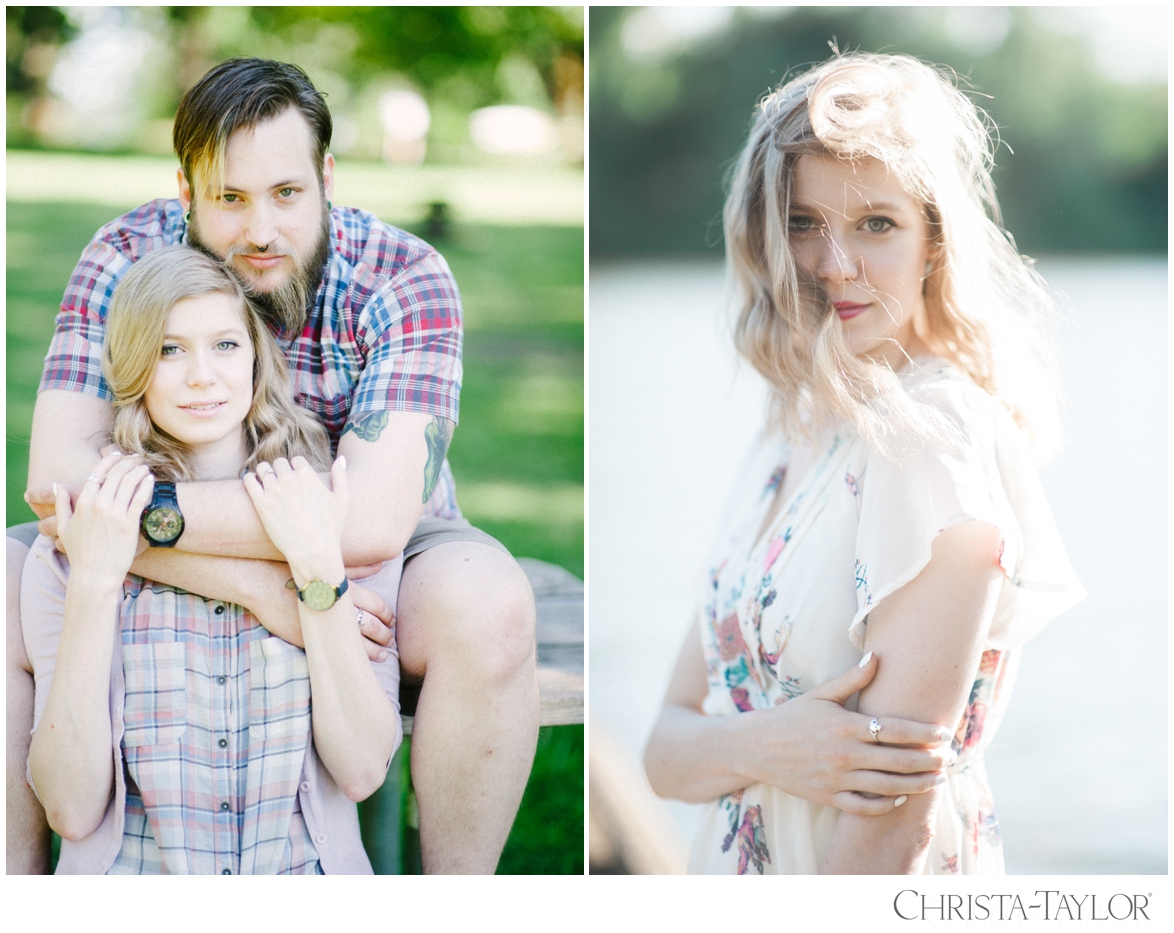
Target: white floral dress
[[786, 610]]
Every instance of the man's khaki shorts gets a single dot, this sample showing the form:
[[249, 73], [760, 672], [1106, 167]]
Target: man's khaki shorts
[[433, 531]]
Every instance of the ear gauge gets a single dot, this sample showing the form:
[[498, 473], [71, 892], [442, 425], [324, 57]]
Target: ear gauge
[[187, 218]]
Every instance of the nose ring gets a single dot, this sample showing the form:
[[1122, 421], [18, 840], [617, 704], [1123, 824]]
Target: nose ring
[[262, 249]]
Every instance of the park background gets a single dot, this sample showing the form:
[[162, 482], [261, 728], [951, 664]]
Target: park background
[[476, 109], [1079, 96]]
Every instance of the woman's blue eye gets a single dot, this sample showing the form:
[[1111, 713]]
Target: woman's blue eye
[[878, 224], [801, 224], [227, 345], [169, 350]]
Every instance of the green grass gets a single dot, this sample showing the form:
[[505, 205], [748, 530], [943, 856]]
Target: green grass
[[517, 454], [547, 837]]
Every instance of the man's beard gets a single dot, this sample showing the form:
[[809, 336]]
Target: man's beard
[[287, 306]]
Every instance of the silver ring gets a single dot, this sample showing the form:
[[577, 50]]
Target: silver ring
[[359, 617], [266, 473], [874, 727], [93, 479]]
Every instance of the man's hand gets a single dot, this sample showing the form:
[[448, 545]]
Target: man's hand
[[43, 502]]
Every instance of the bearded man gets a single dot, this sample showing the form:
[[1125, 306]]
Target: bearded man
[[370, 320]]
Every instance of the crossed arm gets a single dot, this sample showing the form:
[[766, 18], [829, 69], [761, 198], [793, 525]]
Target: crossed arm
[[930, 633], [224, 553], [925, 643], [354, 723]]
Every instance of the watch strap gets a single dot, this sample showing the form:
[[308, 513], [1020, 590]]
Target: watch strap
[[163, 496]]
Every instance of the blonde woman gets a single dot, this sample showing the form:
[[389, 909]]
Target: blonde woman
[[889, 547], [174, 734]]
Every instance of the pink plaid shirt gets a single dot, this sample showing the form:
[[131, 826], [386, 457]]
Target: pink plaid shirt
[[215, 770]]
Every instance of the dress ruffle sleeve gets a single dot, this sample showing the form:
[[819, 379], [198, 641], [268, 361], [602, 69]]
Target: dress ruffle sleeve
[[986, 475]]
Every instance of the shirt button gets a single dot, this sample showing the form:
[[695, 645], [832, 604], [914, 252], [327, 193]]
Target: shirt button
[[320, 838], [220, 610], [306, 786], [222, 680], [225, 805], [223, 743], [227, 871]]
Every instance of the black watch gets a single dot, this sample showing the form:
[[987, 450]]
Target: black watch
[[162, 521]]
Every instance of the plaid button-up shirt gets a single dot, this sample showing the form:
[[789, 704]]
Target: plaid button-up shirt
[[215, 771], [216, 721], [384, 333]]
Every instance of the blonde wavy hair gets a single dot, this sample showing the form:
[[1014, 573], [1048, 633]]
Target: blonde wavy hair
[[274, 427], [986, 310]]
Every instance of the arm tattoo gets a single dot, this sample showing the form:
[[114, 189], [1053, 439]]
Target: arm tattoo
[[367, 427], [438, 435]]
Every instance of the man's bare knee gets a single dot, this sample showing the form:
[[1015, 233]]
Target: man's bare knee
[[468, 602], [511, 605]]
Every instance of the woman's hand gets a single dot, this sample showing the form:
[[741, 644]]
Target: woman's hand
[[376, 621], [813, 748], [302, 517], [43, 501], [69, 758], [810, 747], [355, 725], [100, 532]]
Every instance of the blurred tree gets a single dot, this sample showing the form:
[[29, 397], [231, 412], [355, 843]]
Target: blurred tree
[[432, 44], [1082, 165], [459, 58], [33, 35]]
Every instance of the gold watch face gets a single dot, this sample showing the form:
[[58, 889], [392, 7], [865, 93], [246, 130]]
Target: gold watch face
[[163, 524], [319, 595]]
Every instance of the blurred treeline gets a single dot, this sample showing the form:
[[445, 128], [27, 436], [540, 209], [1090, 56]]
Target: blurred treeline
[[1082, 160], [109, 78]]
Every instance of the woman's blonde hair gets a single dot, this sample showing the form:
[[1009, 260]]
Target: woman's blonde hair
[[986, 310], [274, 427]]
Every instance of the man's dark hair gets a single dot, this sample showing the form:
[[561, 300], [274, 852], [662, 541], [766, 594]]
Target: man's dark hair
[[242, 92]]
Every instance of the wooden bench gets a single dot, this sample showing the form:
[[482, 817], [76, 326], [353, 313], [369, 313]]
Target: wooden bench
[[389, 818]]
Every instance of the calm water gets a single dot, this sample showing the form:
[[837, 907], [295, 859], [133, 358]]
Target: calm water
[[1078, 769]]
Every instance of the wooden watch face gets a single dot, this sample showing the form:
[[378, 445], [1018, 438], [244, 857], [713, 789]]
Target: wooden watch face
[[163, 524], [319, 595]]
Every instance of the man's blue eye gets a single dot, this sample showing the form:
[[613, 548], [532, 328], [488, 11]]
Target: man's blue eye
[[286, 192]]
